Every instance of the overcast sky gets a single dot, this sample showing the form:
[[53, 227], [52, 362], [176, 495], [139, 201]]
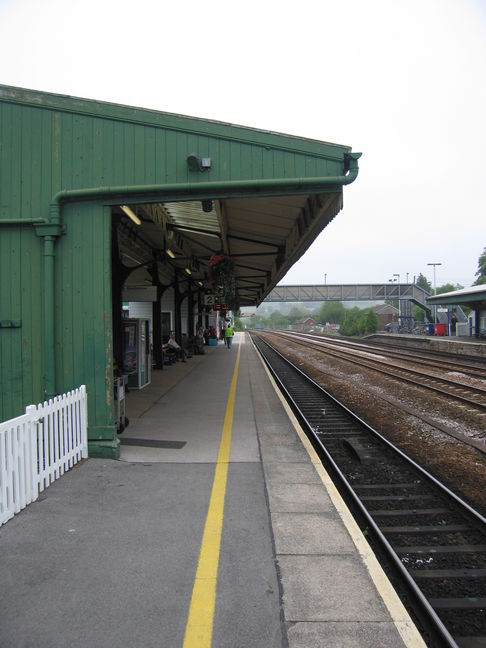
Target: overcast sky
[[401, 81]]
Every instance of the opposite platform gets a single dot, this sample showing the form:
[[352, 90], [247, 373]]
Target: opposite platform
[[110, 554]]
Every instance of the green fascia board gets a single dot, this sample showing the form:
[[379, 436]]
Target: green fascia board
[[173, 122], [472, 295], [461, 299]]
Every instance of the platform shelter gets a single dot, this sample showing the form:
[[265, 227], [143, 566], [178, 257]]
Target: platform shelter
[[98, 199], [473, 298]]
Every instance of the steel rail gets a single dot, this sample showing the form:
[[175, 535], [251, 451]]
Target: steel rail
[[351, 348], [472, 442], [400, 373], [473, 370]]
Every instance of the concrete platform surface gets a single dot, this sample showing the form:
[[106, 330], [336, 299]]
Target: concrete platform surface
[[108, 556]]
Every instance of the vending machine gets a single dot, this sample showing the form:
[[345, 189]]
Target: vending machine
[[136, 352]]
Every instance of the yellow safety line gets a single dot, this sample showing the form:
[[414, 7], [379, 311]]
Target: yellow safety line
[[199, 627]]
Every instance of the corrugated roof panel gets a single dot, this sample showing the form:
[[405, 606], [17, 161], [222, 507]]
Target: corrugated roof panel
[[191, 214]]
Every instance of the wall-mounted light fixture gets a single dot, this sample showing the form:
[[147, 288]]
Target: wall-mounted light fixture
[[188, 271], [200, 283], [131, 214], [198, 164], [170, 253]]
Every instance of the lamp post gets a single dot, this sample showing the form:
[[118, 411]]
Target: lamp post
[[435, 290], [399, 307], [325, 279]]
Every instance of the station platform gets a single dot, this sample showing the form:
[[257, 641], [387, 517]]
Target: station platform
[[456, 345], [217, 527]]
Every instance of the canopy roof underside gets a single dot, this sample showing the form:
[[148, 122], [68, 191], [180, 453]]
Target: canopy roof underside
[[263, 237]]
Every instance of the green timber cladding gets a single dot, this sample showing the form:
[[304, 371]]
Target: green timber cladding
[[65, 164]]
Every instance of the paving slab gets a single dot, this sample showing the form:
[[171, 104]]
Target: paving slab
[[310, 534], [298, 498], [343, 635], [282, 453], [317, 588], [291, 473]]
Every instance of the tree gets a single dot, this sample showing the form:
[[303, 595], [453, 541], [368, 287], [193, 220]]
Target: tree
[[448, 287], [359, 322], [418, 314], [424, 283], [257, 319], [277, 320], [481, 272], [371, 321], [295, 314], [350, 326], [332, 312], [239, 326]]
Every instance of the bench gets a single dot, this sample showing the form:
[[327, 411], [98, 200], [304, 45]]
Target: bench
[[170, 355]]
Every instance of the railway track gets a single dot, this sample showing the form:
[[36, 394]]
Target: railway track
[[471, 366], [434, 542], [473, 396]]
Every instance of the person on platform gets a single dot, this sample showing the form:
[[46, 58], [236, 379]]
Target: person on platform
[[180, 352], [453, 323], [228, 332], [199, 340]]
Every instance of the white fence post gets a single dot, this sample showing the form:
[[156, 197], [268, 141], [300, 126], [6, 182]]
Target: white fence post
[[37, 447], [31, 453], [84, 421]]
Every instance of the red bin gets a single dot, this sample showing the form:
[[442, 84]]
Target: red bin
[[439, 329]]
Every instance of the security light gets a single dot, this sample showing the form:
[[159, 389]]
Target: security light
[[193, 162]]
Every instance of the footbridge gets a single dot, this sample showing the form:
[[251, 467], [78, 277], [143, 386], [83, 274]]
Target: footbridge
[[403, 292]]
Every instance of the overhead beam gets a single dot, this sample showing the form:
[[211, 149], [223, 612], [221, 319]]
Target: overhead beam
[[196, 230], [246, 267], [220, 209], [249, 240], [198, 243], [252, 254]]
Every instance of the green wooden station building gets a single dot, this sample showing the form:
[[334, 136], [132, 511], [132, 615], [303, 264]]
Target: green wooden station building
[[98, 199]]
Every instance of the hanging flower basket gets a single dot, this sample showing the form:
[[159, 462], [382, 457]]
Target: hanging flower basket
[[222, 275]]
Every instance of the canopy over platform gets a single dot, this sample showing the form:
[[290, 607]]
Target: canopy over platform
[[468, 296], [100, 199], [473, 297]]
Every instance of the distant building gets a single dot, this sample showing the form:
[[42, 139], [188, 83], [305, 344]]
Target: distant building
[[386, 315], [306, 323]]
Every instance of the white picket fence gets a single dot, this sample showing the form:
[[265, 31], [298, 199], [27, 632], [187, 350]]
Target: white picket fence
[[38, 447]]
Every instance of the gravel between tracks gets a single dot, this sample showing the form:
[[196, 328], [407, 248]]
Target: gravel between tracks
[[460, 467]]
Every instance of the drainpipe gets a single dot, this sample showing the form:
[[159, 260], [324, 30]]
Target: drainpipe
[[50, 361], [217, 189], [49, 231]]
